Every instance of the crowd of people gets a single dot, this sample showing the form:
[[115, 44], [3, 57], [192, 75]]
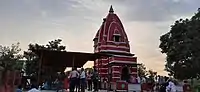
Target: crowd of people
[[159, 84], [74, 81], [79, 81]]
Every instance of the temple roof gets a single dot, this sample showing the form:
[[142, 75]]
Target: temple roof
[[110, 27], [110, 24]]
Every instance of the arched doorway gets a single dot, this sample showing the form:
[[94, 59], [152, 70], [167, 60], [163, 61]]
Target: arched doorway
[[125, 74]]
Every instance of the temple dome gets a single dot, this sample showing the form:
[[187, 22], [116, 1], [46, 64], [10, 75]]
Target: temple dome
[[111, 35]]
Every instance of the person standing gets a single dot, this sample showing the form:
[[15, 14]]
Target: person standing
[[66, 82], [83, 80], [171, 86], [163, 87], [59, 85], [95, 79], [89, 79], [73, 79], [77, 85]]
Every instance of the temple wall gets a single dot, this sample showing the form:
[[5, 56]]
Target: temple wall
[[101, 65]]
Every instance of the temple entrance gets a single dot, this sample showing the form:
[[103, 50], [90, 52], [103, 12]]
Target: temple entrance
[[125, 74]]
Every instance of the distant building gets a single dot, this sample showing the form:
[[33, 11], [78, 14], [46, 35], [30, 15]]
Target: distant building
[[111, 38]]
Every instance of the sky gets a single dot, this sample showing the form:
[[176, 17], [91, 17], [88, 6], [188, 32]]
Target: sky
[[77, 21]]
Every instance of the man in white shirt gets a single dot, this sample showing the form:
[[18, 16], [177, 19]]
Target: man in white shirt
[[34, 89], [143, 80], [83, 80], [138, 79], [73, 76], [171, 87], [83, 75]]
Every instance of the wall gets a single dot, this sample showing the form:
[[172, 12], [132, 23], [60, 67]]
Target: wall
[[9, 80]]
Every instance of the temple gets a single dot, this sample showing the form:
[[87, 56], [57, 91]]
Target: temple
[[111, 39]]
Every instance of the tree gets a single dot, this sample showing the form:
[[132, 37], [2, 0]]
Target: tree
[[10, 57], [142, 72], [55, 45], [182, 47], [32, 60], [151, 74]]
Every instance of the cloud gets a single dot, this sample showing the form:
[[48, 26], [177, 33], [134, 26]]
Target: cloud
[[144, 40], [156, 10], [77, 21]]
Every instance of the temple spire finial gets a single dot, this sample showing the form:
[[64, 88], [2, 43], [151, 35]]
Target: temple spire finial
[[111, 9]]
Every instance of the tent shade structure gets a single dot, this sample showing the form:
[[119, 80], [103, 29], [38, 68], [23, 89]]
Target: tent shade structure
[[66, 58], [59, 60]]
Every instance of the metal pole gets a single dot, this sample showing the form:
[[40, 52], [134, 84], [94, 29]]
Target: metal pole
[[98, 67], [40, 68], [73, 61]]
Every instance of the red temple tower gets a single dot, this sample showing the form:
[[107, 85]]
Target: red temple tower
[[111, 38]]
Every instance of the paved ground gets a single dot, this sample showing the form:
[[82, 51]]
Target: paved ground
[[68, 91], [47, 91]]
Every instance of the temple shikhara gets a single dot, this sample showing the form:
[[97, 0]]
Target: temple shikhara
[[111, 39]]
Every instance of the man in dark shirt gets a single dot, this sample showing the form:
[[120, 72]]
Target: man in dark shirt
[[163, 87], [95, 79]]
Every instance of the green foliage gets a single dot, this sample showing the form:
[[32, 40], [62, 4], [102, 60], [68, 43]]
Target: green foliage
[[182, 47], [32, 60], [10, 57], [142, 72], [151, 75], [148, 74], [55, 45]]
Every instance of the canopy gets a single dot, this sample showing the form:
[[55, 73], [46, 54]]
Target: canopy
[[66, 58], [59, 60]]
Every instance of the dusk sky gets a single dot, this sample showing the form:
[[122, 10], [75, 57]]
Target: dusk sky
[[77, 21]]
